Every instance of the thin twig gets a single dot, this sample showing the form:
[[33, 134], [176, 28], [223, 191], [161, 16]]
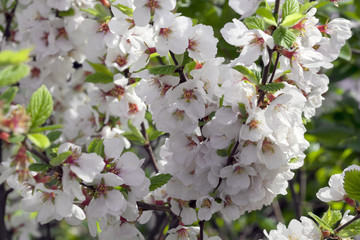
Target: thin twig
[[148, 148], [9, 18], [228, 162], [180, 70], [201, 224], [338, 229], [147, 206], [295, 199], [275, 66]]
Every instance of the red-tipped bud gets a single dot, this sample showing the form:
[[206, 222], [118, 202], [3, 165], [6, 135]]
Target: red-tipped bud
[[350, 201]]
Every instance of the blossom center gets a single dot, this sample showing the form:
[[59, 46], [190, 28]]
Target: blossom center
[[102, 190], [133, 108], [254, 124], [152, 4], [179, 115], [165, 32], [206, 203], [121, 61], [189, 95], [192, 44], [267, 146], [35, 72]]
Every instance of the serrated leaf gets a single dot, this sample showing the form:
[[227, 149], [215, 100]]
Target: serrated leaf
[[254, 23], [351, 184], [284, 37], [124, 9], [100, 148], [46, 128], [247, 73], [99, 78], [163, 70], [351, 230], [39, 140], [9, 95], [292, 19], [159, 180], [38, 167], [12, 74], [290, 7], [59, 159], [100, 68], [96, 146], [8, 57], [54, 135], [331, 217], [272, 87], [67, 13], [267, 15], [304, 8], [322, 224], [222, 152], [40, 106]]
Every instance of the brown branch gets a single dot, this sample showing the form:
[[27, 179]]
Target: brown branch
[[201, 224], [9, 18], [146, 207], [180, 70], [275, 66], [228, 162], [148, 148], [338, 229], [38, 154]]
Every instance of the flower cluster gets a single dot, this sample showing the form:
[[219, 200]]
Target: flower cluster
[[235, 131]]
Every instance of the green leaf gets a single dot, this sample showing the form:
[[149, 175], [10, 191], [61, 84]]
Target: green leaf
[[92, 11], [92, 146], [124, 9], [153, 134], [54, 135], [290, 7], [247, 73], [38, 167], [163, 70], [351, 230], [100, 68], [96, 146], [345, 52], [254, 23], [99, 78], [322, 223], [39, 140], [46, 128], [9, 94], [189, 67], [67, 13], [59, 159], [331, 217], [12, 74], [40, 106], [102, 10], [292, 19], [284, 37], [136, 132], [267, 15], [222, 152], [100, 148], [16, 138], [305, 8], [351, 184], [272, 87], [8, 57], [158, 181]]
